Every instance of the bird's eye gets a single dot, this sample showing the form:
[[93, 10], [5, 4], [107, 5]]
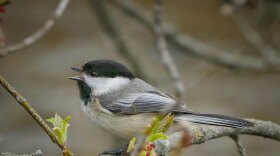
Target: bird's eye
[[93, 73]]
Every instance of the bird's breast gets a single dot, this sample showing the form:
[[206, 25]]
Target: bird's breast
[[124, 126]]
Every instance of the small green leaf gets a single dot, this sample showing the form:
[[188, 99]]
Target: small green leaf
[[169, 122], [164, 124], [60, 135], [65, 125], [143, 153], [60, 126], [156, 126], [131, 144], [51, 120], [157, 136], [67, 119]]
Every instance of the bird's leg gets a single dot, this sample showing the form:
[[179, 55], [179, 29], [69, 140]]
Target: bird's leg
[[119, 152]]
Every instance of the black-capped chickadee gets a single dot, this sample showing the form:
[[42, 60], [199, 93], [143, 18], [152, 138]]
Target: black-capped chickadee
[[121, 104]]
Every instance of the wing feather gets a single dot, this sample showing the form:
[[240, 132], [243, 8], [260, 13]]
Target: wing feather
[[146, 102]]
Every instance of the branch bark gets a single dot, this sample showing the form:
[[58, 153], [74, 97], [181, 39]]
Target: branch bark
[[23, 102], [111, 28], [255, 39], [39, 33], [170, 67], [37, 153], [190, 45], [166, 58], [240, 147], [202, 133]]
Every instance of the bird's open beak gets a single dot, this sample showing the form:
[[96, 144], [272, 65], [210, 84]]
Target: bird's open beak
[[77, 78]]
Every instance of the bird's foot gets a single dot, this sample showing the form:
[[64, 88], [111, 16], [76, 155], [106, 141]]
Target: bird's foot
[[119, 152]]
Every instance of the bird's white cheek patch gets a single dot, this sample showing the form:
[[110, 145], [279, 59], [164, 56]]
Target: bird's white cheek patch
[[102, 85], [90, 81]]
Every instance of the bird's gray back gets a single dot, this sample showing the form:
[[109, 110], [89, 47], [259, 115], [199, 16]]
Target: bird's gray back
[[151, 100], [136, 86]]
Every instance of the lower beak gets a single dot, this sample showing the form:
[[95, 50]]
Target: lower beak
[[77, 78]]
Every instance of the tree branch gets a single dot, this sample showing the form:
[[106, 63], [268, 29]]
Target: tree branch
[[193, 46], [39, 33], [202, 133], [241, 149], [22, 101], [107, 21], [37, 153], [166, 58], [254, 38]]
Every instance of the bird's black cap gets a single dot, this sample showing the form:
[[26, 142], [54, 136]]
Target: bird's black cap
[[106, 68]]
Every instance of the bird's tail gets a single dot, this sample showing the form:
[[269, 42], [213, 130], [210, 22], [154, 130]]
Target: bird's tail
[[213, 119]]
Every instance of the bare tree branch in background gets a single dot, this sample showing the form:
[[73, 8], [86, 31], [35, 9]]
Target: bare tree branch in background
[[37, 153], [2, 34], [199, 133], [254, 38], [202, 133], [193, 46], [169, 65], [231, 6], [241, 149], [107, 21], [166, 58], [268, 13], [39, 33]]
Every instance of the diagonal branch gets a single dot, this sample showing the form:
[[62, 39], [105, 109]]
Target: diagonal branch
[[171, 68], [37, 153], [166, 58], [111, 28], [241, 149], [22, 101], [193, 46], [202, 133], [254, 38], [39, 33]]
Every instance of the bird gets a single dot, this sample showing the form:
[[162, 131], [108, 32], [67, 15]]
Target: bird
[[118, 102]]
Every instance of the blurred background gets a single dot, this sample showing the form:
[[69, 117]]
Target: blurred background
[[226, 51]]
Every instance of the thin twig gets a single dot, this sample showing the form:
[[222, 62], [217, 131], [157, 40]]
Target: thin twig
[[254, 38], [37, 153], [171, 69], [190, 45], [39, 33], [241, 149], [268, 13], [22, 101], [106, 20], [166, 58], [202, 133], [232, 6]]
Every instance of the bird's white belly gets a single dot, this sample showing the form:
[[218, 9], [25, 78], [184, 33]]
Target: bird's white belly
[[124, 126]]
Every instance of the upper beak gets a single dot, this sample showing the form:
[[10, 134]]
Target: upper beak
[[77, 78], [76, 69]]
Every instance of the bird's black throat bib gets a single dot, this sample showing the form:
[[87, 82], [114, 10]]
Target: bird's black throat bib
[[85, 92]]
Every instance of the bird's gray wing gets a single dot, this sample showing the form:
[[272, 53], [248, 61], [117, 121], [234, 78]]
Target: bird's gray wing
[[144, 102]]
